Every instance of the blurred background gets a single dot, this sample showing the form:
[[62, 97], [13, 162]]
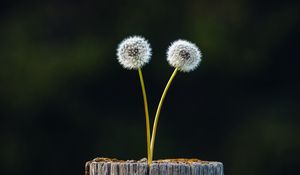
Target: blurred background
[[64, 99]]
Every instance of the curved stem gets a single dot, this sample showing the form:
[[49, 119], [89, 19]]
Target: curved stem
[[146, 115], [158, 111]]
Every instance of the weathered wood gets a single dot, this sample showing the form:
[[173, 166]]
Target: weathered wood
[[104, 166]]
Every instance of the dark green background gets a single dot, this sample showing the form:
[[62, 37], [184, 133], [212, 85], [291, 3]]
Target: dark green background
[[64, 99]]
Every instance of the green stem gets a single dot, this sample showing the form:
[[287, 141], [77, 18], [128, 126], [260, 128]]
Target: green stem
[[146, 115], [158, 111]]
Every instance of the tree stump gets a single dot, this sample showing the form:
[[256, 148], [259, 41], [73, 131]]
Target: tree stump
[[105, 166]]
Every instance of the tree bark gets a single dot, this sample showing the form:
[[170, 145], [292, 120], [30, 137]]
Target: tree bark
[[104, 166]]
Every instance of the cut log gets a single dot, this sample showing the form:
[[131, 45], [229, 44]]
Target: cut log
[[105, 166]]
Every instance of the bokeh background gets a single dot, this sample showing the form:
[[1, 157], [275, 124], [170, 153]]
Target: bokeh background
[[64, 99]]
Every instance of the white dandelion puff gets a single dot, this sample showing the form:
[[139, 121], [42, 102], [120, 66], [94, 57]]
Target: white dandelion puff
[[184, 55], [134, 52]]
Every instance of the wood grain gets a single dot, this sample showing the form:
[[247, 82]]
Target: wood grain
[[165, 167]]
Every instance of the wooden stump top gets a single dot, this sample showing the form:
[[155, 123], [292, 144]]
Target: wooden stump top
[[106, 166]]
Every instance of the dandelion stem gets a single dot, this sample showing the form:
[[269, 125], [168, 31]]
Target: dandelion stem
[[146, 115], [158, 111]]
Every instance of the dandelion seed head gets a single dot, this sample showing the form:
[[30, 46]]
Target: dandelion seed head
[[134, 52], [184, 55]]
